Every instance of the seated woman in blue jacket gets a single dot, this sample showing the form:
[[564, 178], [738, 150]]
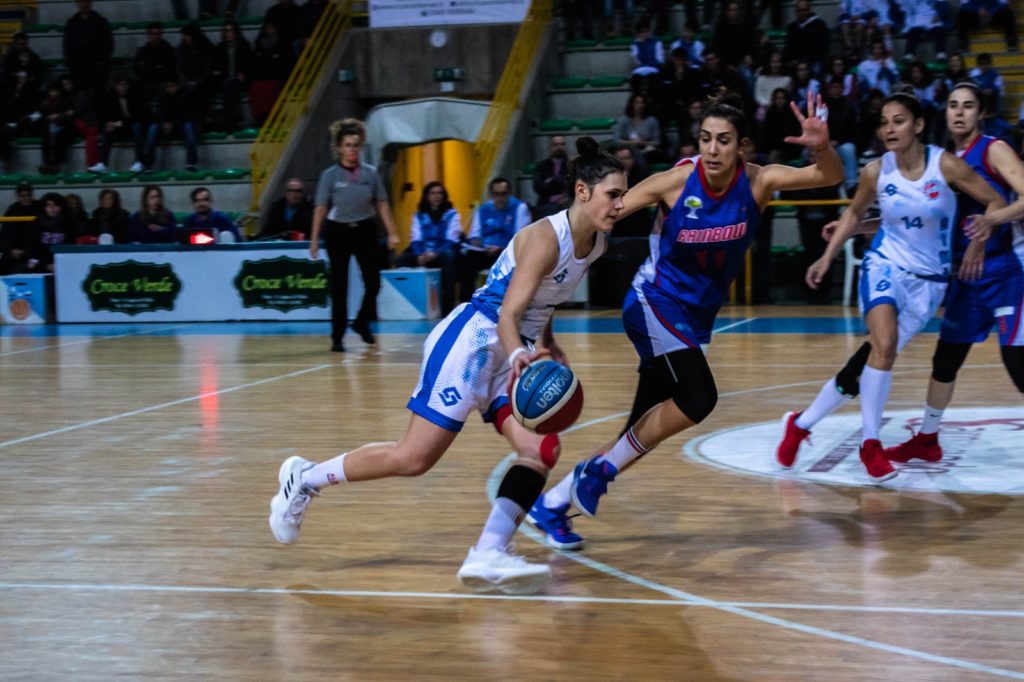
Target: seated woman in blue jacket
[[435, 236]]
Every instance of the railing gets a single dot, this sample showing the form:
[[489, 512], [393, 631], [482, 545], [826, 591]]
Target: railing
[[506, 98], [293, 102]]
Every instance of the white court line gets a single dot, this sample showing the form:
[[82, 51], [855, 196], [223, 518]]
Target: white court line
[[92, 339], [734, 324], [565, 599], [152, 408], [498, 473]]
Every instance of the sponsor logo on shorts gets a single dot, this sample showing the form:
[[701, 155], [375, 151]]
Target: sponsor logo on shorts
[[884, 285], [449, 396]]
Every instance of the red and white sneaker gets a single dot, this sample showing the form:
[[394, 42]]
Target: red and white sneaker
[[873, 457], [792, 436], [922, 446]]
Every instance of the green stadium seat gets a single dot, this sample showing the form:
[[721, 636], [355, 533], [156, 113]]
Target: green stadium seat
[[618, 42], [246, 134], [230, 173], [116, 177], [175, 24], [137, 25], [570, 82], [776, 34], [80, 178], [659, 167], [528, 169], [794, 163], [43, 28], [555, 124], [211, 23], [155, 177], [43, 179], [179, 216], [213, 136], [598, 123], [785, 211], [255, 20], [579, 44], [53, 63], [608, 81], [8, 179], [191, 176], [28, 141]]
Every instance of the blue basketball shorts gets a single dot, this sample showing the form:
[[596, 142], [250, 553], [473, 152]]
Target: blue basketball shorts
[[464, 368], [658, 325], [973, 308], [915, 298]]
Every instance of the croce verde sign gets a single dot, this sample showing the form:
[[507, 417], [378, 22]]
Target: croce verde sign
[[131, 287], [283, 283]]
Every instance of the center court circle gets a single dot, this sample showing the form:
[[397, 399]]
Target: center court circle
[[983, 451]]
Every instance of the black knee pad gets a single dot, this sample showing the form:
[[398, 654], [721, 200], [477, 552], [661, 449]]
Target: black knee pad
[[655, 387], [694, 391], [1013, 358], [848, 379], [522, 485], [948, 359]]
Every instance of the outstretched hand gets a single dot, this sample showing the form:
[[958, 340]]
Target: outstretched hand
[[813, 126]]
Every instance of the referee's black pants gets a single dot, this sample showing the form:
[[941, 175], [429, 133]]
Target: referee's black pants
[[342, 241]]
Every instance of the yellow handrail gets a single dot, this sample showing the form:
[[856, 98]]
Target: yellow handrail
[[293, 102], [506, 98]]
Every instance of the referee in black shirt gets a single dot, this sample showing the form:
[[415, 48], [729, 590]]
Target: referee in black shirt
[[349, 197]]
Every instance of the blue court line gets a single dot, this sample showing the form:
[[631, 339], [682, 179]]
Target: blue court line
[[563, 325]]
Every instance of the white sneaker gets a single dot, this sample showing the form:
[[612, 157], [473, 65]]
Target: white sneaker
[[289, 504], [137, 167], [97, 168], [487, 569]]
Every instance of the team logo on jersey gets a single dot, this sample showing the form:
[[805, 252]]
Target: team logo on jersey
[[712, 234], [931, 189], [890, 189], [449, 396], [980, 453], [560, 277], [693, 203]]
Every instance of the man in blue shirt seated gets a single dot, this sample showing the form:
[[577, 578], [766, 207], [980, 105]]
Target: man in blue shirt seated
[[205, 218], [494, 224]]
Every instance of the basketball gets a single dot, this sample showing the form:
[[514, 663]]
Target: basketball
[[547, 397]]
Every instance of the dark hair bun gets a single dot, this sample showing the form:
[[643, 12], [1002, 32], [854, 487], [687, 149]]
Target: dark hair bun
[[587, 146]]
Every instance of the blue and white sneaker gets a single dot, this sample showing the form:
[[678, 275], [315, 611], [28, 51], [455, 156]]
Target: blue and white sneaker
[[590, 481], [555, 524]]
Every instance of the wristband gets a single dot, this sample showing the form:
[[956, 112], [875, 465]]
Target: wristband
[[514, 354]]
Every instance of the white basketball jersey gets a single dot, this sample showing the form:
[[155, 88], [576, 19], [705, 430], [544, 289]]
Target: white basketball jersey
[[555, 288], [918, 217]]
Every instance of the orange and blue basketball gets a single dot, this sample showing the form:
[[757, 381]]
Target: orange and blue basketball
[[547, 397]]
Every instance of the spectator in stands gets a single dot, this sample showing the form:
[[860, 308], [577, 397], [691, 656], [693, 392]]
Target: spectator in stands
[[879, 23], [619, 13], [768, 80], [152, 223], [76, 213], [21, 110], [842, 131], [648, 56], [878, 72], [203, 215], [83, 118], [175, 113], [718, 77], [350, 197], [109, 217], [853, 27], [434, 239], [995, 13], [689, 129], [22, 58], [578, 18], [678, 85], [779, 123], [194, 59], [922, 20], [549, 179], [88, 47], [123, 113], [636, 224], [926, 90], [155, 62], [998, 127], [956, 71], [691, 46], [285, 16], [309, 17], [271, 62], [292, 212], [837, 69], [807, 38], [805, 85], [868, 144], [55, 128], [736, 37], [18, 240], [811, 220], [990, 82], [56, 226], [231, 65], [638, 128], [494, 224]]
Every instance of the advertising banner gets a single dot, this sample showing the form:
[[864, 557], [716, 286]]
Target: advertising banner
[[395, 13]]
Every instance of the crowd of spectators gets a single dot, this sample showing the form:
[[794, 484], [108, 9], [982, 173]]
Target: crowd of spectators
[[170, 91]]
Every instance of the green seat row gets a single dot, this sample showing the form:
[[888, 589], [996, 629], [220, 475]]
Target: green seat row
[[121, 177], [244, 134], [577, 82], [552, 125], [143, 25]]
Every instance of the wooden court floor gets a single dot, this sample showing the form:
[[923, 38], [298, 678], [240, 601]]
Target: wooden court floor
[[138, 469]]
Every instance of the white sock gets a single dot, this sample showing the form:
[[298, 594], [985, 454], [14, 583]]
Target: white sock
[[501, 525], [932, 419], [559, 495], [874, 391], [330, 472], [625, 450], [829, 400]]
